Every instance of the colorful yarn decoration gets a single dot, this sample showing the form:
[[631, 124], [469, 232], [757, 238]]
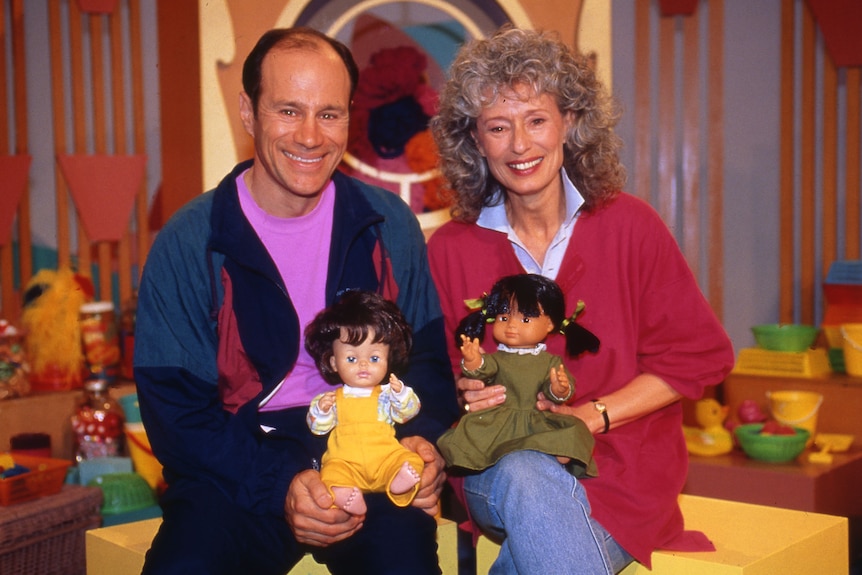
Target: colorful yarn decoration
[[52, 301]]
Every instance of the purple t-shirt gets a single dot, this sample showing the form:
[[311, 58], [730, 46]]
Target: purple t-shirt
[[300, 249]]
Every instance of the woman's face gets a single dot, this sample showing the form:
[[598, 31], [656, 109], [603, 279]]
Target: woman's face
[[521, 136]]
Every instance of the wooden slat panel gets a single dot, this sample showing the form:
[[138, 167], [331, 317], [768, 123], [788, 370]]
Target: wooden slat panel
[[788, 18], [79, 123], [100, 136], [64, 255], [643, 131], [12, 35], [852, 181], [808, 140], [5, 30], [118, 97], [22, 146], [7, 270], [141, 206], [667, 193], [829, 183], [715, 168], [691, 207]]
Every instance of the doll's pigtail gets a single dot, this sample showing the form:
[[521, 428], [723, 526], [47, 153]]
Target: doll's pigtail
[[578, 338], [473, 325]]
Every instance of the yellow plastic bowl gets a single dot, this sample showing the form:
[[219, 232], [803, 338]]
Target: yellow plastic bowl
[[785, 336]]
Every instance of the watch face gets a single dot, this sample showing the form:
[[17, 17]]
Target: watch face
[[600, 407]]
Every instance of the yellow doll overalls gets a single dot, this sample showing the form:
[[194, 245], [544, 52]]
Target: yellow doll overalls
[[362, 450]]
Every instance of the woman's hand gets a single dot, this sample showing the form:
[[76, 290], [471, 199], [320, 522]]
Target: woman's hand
[[474, 395]]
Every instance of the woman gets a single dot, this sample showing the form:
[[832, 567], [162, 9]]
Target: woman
[[525, 133]]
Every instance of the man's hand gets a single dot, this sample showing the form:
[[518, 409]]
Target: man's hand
[[433, 476], [309, 512]]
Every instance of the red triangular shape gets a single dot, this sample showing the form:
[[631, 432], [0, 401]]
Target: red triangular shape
[[15, 170], [104, 189], [677, 7], [839, 22], [97, 6]]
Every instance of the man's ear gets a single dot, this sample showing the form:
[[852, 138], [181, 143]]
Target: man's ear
[[246, 113]]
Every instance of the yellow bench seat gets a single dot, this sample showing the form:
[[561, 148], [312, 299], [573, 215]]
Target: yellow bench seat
[[120, 549], [749, 540]]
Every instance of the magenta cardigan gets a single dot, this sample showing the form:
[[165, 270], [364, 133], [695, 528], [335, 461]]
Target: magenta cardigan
[[644, 304]]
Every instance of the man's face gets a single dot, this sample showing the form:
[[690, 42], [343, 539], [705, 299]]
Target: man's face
[[300, 129]]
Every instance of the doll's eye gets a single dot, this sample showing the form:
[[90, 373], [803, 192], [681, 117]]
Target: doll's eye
[[351, 359], [502, 317], [375, 358], [526, 319]]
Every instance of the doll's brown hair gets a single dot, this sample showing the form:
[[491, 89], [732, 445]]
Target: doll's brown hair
[[358, 313]]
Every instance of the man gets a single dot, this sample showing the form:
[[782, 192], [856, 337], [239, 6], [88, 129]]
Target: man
[[224, 382]]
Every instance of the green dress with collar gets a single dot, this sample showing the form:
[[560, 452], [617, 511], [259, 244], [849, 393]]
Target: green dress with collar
[[481, 438]]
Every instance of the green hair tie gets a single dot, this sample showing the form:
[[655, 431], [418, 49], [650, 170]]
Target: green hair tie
[[579, 308]]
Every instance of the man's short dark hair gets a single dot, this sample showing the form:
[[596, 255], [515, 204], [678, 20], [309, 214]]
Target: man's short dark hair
[[291, 38]]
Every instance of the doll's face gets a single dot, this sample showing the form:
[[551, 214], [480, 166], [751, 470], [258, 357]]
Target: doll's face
[[517, 330], [363, 365]]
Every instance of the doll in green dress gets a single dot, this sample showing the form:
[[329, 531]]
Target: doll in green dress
[[523, 310]]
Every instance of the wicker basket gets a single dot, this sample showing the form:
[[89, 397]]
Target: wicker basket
[[46, 536]]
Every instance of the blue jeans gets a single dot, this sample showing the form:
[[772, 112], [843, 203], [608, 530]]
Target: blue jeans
[[540, 515]]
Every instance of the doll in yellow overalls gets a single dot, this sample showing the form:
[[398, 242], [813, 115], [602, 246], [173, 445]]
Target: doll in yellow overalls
[[354, 343]]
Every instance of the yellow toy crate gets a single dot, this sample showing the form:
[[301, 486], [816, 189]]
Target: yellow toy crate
[[757, 361]]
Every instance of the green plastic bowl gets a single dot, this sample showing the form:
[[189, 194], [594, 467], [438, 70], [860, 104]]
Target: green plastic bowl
[[772, 448], [785, 336], [123, 492]]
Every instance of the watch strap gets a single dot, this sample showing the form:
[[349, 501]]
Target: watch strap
[[601, 408]]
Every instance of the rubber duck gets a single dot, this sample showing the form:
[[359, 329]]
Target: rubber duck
[[711, 438]]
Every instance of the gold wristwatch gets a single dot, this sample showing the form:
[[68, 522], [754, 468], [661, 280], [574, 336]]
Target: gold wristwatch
[[603, 409]]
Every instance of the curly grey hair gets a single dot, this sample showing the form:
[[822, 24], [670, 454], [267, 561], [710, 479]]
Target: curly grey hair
[[512, 57]]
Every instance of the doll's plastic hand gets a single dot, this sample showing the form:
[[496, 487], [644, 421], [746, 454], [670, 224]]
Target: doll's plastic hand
[[326, 401], [474, 395], [471, 352], [309, 512], [560, 385], [395, 383], [433, 475]]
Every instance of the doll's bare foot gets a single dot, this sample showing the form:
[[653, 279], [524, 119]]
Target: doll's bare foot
[[404, 480], [349, 499]]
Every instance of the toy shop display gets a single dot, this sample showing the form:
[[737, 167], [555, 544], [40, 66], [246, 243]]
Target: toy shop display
[[13, 362]]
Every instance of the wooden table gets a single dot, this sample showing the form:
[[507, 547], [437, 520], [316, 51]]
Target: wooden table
[[841, 411], [834, 489], [47, 412]]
